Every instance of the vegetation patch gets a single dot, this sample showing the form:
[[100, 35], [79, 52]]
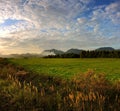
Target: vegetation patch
[[90, 91], [67, 68]]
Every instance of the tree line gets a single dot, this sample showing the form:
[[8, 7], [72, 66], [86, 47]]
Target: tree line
[[100, 54], [65, 55], [88, 54]]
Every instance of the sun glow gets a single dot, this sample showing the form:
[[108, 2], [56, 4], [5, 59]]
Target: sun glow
[[4, 33]]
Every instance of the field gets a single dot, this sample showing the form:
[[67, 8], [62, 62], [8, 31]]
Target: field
[[27, 85], [67, 68]]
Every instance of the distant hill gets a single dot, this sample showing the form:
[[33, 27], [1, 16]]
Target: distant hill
[[52, 52], [74, 51], [59, 52], [105, 49]]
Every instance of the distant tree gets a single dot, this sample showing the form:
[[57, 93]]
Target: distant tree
[[100, 54]]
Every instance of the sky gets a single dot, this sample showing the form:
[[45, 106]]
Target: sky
[[31, 26]]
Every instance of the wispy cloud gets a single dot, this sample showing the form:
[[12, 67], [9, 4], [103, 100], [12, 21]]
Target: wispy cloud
[[34, 25]]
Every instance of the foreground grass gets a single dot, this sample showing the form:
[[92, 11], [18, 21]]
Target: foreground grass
[[67, 68], [34, 92]]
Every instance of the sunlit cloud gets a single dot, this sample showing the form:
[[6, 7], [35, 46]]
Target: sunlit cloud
[[35, 25]]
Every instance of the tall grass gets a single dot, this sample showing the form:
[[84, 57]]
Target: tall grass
[[33, 92]]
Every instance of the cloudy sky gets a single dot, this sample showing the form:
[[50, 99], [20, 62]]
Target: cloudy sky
[[34, 25]]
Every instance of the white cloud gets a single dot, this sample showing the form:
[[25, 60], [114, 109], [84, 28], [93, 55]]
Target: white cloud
[[81, 20], [40, 14], [108, 12], [51, 23]]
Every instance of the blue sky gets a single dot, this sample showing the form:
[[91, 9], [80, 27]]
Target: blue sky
[[34, 25]]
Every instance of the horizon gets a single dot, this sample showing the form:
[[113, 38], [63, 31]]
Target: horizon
[[31, 26], [39, 53]]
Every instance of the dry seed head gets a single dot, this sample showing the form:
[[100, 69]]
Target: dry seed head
[[9, 76], [40, 84], [52, 88], [116, 98], [94, 96], [42, 92], [19, 84], [35, 89], [14, 84], [64, 99], [71, 96], [77, 99], [90, 97], [79, 94], [30, 83], [86, 97]]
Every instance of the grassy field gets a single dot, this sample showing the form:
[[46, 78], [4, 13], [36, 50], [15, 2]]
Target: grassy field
[[22, 90], [68, 67]]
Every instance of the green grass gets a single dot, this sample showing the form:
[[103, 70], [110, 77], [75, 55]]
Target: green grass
[[68, 67]]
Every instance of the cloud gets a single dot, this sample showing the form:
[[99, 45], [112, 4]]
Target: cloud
[[61, 24], [42, 13], [81, 20], [108, 12], [113, 12]]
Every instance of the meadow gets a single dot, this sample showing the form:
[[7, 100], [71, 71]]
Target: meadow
[[24, 88], [67, 68]]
